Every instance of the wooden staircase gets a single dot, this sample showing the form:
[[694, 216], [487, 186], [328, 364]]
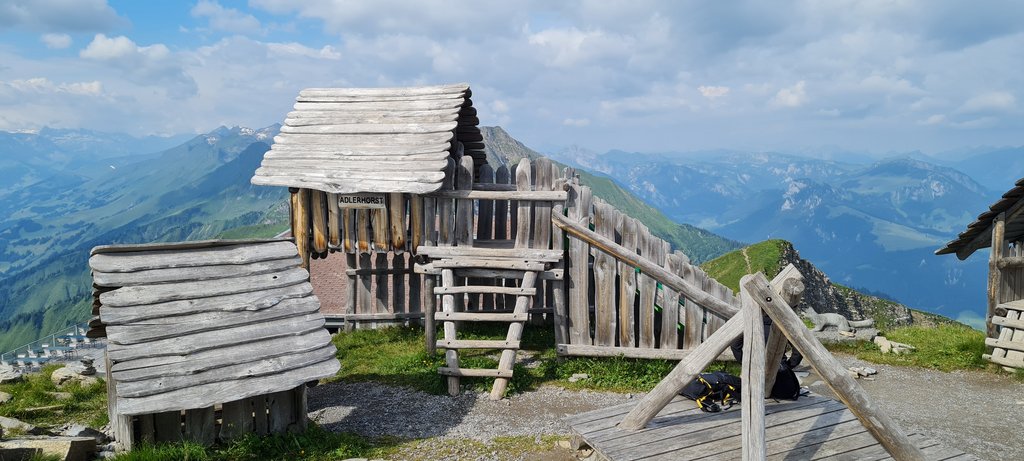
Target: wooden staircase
[[1008, 349]]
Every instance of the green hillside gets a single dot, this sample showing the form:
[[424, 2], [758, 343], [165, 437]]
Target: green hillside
[[760, 257]]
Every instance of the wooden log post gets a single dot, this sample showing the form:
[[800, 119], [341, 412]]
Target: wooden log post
[[484, 228], [515, 331], [558, 303], [578, 205], [792, 290], [464, 224], [670, 305], [994, 273], [879, 424], [300, 222], [501, 222], [318, 210], [627, 285], [604, 278], [120, 425], [752, 392], [334, 236], [541, 238], [451, 356]]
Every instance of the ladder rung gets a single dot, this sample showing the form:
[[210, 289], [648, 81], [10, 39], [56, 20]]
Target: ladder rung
[[480, 317], [486, 290], [477, 344], [459, 263], [474, 372]]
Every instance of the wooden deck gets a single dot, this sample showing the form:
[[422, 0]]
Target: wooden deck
[[810, 428]]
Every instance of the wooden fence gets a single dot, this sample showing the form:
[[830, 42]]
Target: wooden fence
[[608, 308]]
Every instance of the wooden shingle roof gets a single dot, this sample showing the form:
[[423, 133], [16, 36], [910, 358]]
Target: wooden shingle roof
[[978, 234], [346, 140], [194, 324]]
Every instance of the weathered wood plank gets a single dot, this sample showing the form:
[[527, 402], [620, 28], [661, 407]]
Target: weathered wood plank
[[159, 293], [994, 274], [446, 210], [370, 128], [398, 283], [380, 282], [482, 263], [209, 394], [578, 207], [454, 88], [515, 331], [429, 104], [363, 286], [357, 155], [341, 185], [318, 214], [491, 253], [471, 289], [480, 317], [200, 426], [523, 217], [558, 294], [236, 419], [605, 222], [328, 117], [281, 414], [451, 356], [670, 305], [455, 372], [627, 285], [209, 256], [334, 216], [752, 392], [182, 274], [478, 344]]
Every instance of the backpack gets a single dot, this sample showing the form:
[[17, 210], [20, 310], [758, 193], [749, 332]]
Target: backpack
[[787, 386], [713, 391]]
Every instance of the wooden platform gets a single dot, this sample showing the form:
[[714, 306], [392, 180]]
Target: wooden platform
[[810, 428]]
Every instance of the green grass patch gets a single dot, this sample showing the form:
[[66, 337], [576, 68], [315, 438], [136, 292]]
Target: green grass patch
[[730, 267], [34, 402], [945, 347]]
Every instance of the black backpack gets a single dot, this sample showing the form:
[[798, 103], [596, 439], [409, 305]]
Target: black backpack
[[713, 392], [787, 386]]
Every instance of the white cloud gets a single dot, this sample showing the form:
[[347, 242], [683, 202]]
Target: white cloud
[[43, 85], [59, 15], [794, 96], [499, 106], [152, 65], [995, 101], [577, 122], [934, 119], [298, 49], [226, 19], [56, 41], [713, 92]]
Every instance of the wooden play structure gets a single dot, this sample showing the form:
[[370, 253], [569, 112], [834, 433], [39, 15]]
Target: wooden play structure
[[1000, 228], [207, 340]]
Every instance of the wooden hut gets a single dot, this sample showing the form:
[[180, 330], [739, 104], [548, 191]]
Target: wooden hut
[[207, 340], [1000, 228]]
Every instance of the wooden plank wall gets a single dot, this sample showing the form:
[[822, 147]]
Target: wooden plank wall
[[1011, 288], [614, 305]]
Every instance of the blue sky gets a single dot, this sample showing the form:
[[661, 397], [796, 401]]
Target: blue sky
[[636, 75]]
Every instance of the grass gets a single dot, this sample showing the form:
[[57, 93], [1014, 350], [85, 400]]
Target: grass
[[730, 267], [944, 347], [32, 402]]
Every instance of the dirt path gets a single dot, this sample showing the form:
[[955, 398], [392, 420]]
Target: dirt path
[[746, 258]]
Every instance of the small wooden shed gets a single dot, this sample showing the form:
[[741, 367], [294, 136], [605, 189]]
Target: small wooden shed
[[1001, 228], [207, 340]]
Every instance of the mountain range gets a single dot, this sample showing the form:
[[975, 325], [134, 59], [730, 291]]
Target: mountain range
[[870, 224]]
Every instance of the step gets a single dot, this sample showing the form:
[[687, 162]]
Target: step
[[480, 317], [520, 254], [484, 289], [475, 372], [1003, 308], [477, 344], [1004, 344], [488, 263], [1005, 322]]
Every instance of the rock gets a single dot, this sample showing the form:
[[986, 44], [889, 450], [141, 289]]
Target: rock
[[883, 344], [16, 425], [60, 395], [5, 397], [870, 371], [9, 374], [578, 377], [78, 430], [563, 444], [849, 334], [66, 374], [65, 448], [892, 347]]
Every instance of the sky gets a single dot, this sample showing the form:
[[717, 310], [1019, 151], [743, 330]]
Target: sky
[[872, 76]]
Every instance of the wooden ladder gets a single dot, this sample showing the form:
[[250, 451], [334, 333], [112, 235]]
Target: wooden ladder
[[528, 271]]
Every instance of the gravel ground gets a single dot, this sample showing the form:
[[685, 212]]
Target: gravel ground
[[979, 413]]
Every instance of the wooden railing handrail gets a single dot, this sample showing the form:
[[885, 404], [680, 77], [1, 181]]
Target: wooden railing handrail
[[649, 268]]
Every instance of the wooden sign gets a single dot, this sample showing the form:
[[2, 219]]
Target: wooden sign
[[362, 200]]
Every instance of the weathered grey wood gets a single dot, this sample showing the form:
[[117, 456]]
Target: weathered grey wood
[[334, 216], [491, 253], [693, 317], [605, 222], [791, 289], [200, 426], [323, 97], [292, 326], [120, 424], [1012, 345], [299, 409], [1008, 262], [281, 414], [430, 104], [398, 283], [433, 269], [351, 140], [160, 293], [204, 256], [370, 128], [1003, 361], [446, 209], [454, 88], [647, 286], [167, 426], [187, 365], [416, 226], [351, 290], [429, 310], [513, 210], [480, 316], [621, 351], [543, 181], [236, 419], [558, 294], [318, 220], [381, 280], [341, 185], [364, 296], [665, 277], [328, 117], [752, 392], [170, 327], [515, 331], [511, 264], [451, 356], [478, 344], [523, 195], [523, 216], [881, 426], [209, 394], [578, 207], [336, 151], [178, 274], [670, 306], [994, 274], [455, 372], [261, 420], [486, 289], [165, 313], [485, 212], [627, 284], [300, 223]]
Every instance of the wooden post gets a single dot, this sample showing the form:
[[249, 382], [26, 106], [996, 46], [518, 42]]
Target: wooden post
[[236, 419], [300, 222], [579, 203], [398, 283], [120, 425], [464, 224], [627, 285], [515, 331], [561, 314], [670, 305], [485, 231], [879, 424], [791, 289], [200, 426], [318, 210], [752, 392], [501, 224], [604, 278], [381, 279], [333, 221], [451, 356], [994, 273]]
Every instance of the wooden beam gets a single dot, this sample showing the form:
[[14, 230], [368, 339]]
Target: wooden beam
[[1003, 344], [881, 426], [574, 350], [523, 195], [788, 284], [649, 268], [995, 275], [752, 392]]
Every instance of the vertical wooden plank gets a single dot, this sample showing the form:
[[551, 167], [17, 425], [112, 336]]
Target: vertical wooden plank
[[627, 285], [398, 283], [580, 198], [513, 207], [318, 212], [416, 226], [299, 407], [396, 221], [670, 307], [561, 313], [501, 226], [167, 426], [542, 180], [693, 318], [752, 373], [523, 182], [362, 230], [200, 426], [485, 211], [648, 290], [282, 411], [365, 298], [429, 309], [451, 356], [464, 224], [300, 222], [446, 208], [147, 429], [334, 236], [261, 422], [351, 290], [381, 279], [236, 419], [348, 230], [120, 425], [604, 278], [381, 232], [994, 274]]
